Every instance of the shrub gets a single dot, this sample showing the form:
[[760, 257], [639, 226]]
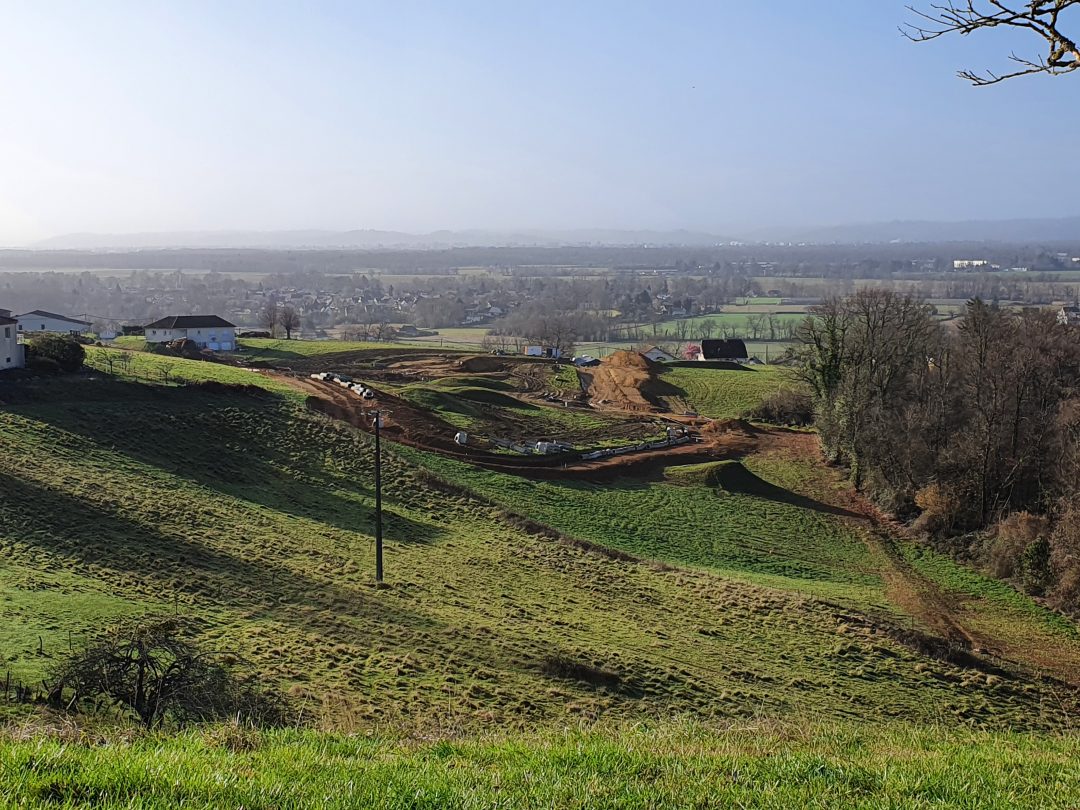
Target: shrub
[[1065, 557], [66, 352], [1011, 537], [785, 407], [1035, 567], [940, 508], [151, 668], [42, 365]]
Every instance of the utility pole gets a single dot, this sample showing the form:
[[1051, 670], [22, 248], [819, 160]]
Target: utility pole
[[378, 497]]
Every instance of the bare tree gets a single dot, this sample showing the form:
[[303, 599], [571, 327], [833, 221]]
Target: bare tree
[[756, 324], [289, 319], [270, 317], [151, 667], [1040, 17]]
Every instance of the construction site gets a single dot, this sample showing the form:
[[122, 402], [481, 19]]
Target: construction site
[[524, 415]]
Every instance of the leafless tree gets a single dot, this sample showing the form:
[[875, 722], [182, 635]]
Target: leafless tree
[[1042, 18], [756, 324], [165, 370], [150, 667], [289, 319], [270, 317]]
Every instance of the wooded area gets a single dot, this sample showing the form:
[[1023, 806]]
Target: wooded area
[[974, 430]]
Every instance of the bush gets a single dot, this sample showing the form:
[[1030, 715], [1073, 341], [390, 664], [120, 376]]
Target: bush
[[43, 365], [785, 407], [940, 509], [1035, 567], [151, 668], [1065, 557], [66, 352], [1011, 537]]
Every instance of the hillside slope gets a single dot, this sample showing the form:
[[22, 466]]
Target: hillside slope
[[255, 516]]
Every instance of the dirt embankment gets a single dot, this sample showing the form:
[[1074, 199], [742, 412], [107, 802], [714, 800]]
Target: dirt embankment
[[627, 381]]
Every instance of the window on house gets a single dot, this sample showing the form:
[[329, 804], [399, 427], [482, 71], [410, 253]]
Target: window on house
[[7, 331]]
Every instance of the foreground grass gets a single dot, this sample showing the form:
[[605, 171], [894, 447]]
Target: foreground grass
[[671, 765]]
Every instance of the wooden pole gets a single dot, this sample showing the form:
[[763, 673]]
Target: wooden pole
[[378, 499]]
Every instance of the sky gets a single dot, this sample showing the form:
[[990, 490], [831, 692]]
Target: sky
[[723, 116]]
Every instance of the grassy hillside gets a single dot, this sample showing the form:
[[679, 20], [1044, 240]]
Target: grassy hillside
[[759, 765], [720, 393], [256, 517]]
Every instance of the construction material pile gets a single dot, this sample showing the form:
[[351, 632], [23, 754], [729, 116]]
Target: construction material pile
[[628, 381]]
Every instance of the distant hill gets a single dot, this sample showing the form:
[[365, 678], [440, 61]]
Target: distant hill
[[1023, 231], [375, 239], [1006, 230]]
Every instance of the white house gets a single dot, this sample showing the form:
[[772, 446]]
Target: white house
[[208, 331], [11, 351], [658, 355], [41, 321]]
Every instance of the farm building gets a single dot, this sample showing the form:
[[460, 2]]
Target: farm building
[[732, 350], [657, 355], [207, 331], [543, 351], [11, 351], [41, 321]]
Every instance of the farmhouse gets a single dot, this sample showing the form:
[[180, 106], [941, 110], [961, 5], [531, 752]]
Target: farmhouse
[[657, 355], [733, 350], [41, 321], [207, 331], [11, 351]]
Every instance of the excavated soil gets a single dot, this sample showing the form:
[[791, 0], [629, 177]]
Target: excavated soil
[[627, 381]]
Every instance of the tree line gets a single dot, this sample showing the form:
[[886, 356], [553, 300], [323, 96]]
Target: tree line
[[971, 429]]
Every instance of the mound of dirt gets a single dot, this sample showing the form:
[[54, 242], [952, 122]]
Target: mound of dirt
[[628, 359], [482, 364], [720, 427], [628, 381]]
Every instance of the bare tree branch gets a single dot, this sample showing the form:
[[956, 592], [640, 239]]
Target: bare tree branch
[[1043, 18]]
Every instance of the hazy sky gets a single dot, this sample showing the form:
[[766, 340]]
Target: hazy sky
[[726, 116]]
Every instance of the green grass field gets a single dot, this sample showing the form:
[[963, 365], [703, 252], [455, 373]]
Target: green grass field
[[157, 370], [709, 634], [720, 393], [670, 765], [256, 518], [739, 321]]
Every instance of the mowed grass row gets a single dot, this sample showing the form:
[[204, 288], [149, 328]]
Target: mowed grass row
[[255, 518], [670, 765]]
